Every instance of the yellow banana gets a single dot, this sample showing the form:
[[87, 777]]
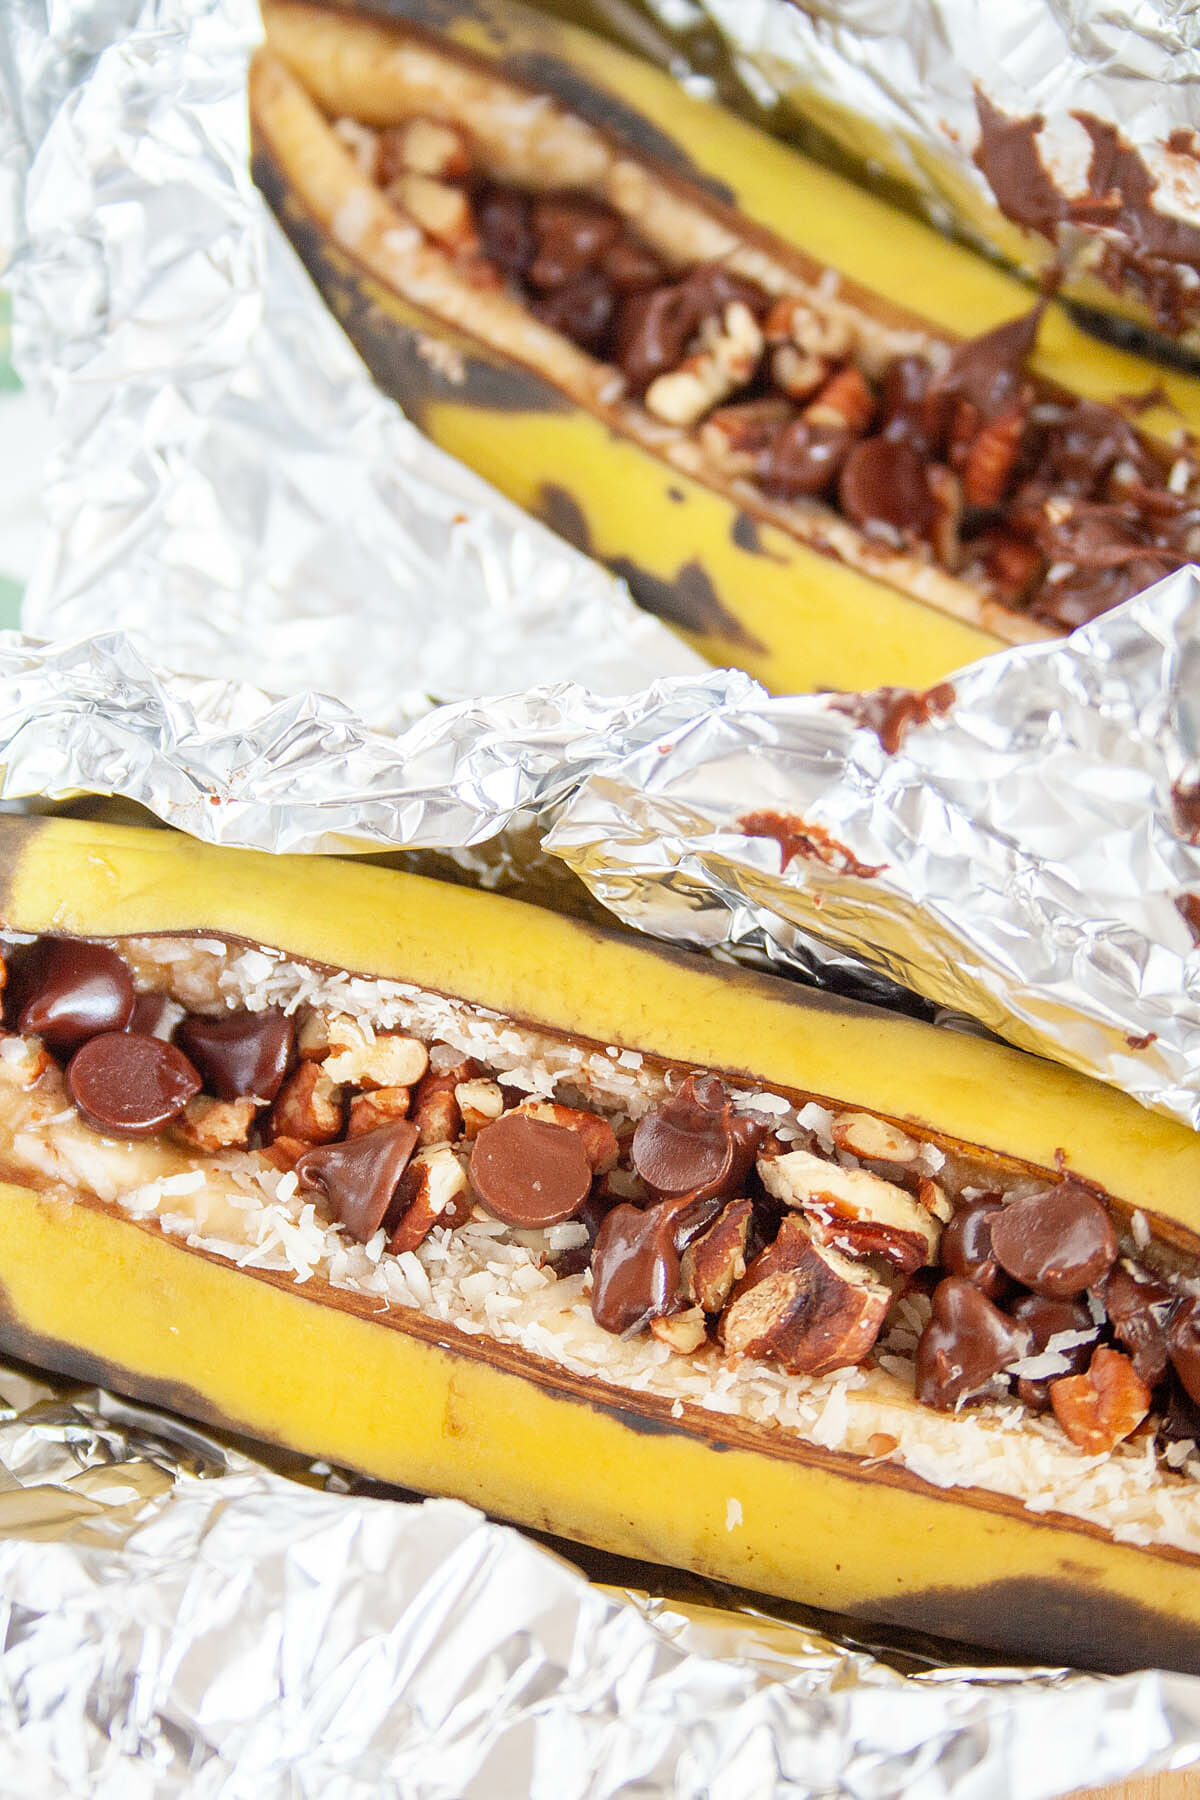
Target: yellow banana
[[788, 591], [110, 1290]]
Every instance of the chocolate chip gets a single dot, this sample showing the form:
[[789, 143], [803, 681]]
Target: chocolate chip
[[572, 233], [905, 414], [804, 459], [966, 1342], [636, 1259], [359, 1178], [631, 267], [1183, 1341], [240, 1054], [694, 1144], [503, 217], [1138, 1307], [127, 1085], [966, 1247], [1045, 1319], [655, 328], [530, 1173], [153, 1015], [989, 370], [884, 483], [1057, 1242], [66, 991], [581, 309]]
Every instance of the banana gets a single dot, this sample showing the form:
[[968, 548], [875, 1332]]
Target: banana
[[139, 1260], [788, 588]]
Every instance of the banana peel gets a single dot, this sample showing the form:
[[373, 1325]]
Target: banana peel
[[98, 1294], [738, 584]]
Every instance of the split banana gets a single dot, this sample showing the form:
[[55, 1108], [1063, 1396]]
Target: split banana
[[812, 434], [677, 1260]]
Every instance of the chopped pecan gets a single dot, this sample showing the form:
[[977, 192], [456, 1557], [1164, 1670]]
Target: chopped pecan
[[734, 435], [423, 147], [362, 143], [308, 1106], [312, 1038], [794, 320], [479, 1102], [798, 375], [285, 1152], [388, 1060], [23, 1059], [991, 458], [1012, 563], [714, 1263], [935, 1200], [1099, 1408], [212, 1125], [683, 1332], [729, 354], [872, 1139], [853, 1208], [845, 400], [433, 1190], [369, 1111], [823, 1313], [599, 1140], [435, 1111], [444, 212]]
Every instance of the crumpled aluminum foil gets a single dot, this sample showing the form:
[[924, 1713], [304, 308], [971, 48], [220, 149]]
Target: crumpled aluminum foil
[[228, 485], [897, 93], [180, 1620], [1018, 859]]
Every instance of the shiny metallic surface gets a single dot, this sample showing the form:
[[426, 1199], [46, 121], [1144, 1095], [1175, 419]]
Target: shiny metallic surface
[[181, 1620], [897, 93], [227, 484]]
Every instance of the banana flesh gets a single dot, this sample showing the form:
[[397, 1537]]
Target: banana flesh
[[91, 1289]]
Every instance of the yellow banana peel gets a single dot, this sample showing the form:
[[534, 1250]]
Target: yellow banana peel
[[772, 589], [95, 1292]]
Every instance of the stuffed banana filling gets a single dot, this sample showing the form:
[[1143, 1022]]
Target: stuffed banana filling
[[942, 468], [667, 1230]]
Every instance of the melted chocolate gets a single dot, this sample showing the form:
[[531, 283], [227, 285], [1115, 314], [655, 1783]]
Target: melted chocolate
[[636, 1260], [1008, 158], [240, 1054], [530, 1173], [1185, 799], [798, 837], [890, 712], [127, 1085], [695, 1144], [1137, 1306], [966, 1247], [1058, 1242], [884, 481], [359, 1178], [966, 1342], [66, 991]]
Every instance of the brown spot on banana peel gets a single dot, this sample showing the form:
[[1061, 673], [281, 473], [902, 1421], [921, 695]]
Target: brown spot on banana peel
[[688, 599], [1043, 1620], [745, 534]]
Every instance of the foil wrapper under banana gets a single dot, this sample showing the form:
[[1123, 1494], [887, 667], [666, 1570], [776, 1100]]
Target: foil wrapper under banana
[[184, 1620], [226, 482], [1018, 844], [1047, 135]]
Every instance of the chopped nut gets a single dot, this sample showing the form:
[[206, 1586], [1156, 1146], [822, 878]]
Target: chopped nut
[[935, 1200], [846, 400], [423, 147], [1098, 1409], [213, 1125], [713, 1264], [312, 1038], [369, 1111], [730, 353], [433, 1190], [875, 1140], [439, 209], [479, 1103], [823, 1314], [599, 1140], [361, 142], [797, 374], [308, 1106], [947, 493], [793, 319], [682, 1332], [23, 1060], [390, 1061], [853, 1208], [435, 1110], [992, 457], [285, 1152], [881, 1444]]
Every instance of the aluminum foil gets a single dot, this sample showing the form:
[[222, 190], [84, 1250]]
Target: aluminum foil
[[227, 484], [903, 95], [183, 1621], [1021, 858]]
